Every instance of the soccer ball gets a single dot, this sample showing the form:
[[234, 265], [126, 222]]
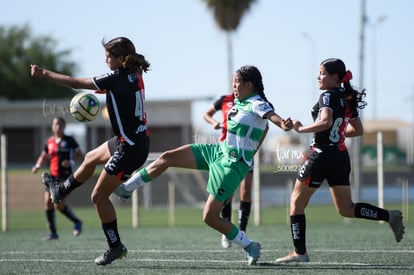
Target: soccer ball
[[84, 107]]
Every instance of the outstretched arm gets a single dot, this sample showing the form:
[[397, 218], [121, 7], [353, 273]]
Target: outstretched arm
[[284, 124], [61, 79], [325, 122]]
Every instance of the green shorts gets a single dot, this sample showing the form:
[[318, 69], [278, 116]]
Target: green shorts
[[224, 175]]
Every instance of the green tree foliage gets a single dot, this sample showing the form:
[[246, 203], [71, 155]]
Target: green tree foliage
[[19, 49], [228, 13]]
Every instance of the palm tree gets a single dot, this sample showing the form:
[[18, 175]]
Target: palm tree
[[228, 14]]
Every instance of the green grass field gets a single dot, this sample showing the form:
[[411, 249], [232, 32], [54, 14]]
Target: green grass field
[[335, 245]]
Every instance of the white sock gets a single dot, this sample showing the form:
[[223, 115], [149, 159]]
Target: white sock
[[241, 239], [133, 182]]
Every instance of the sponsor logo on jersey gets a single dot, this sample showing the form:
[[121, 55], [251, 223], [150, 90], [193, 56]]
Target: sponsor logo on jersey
[[141, 128], [232, 113], [325, 98], [132, 77]]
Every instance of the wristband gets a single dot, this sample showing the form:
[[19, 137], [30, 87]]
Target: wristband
[[37, 166]]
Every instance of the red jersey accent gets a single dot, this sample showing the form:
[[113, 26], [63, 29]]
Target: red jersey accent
[[224, 104], [59, 152], [347, 117]]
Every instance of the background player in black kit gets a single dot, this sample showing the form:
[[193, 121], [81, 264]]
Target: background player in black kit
[[62, 152], [335, 118], [129, 147], [224, 104]]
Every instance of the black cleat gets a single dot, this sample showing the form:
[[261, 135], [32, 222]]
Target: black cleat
[[396, 224], [53, 186], [111, 255]]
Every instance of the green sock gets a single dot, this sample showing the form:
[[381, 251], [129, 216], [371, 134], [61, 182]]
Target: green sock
[[144, 175], [233, 233]]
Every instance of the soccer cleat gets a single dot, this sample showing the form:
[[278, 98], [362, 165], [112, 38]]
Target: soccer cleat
[[253, 252], [396, 223], [122, 193], [293, 257], [111, 255], [53, 187], [52, 236], [46, 178], [77, 230], [225, 243]]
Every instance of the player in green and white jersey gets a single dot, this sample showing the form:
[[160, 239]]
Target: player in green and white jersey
[[227, 162]]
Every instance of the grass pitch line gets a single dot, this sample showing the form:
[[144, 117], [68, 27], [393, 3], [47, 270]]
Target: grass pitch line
[[204, 261], [44, 260], [361, 251], [184, 251]]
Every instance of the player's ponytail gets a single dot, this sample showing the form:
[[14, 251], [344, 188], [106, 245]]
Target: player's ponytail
[[136, 62], [123, 47], [252, 74]]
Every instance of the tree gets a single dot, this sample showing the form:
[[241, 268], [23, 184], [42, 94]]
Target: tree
[[18, 49], [228, 14]]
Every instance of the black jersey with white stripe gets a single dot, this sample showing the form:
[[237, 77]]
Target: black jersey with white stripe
[[125, 100]]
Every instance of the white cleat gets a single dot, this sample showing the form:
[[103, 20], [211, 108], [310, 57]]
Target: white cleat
[[293, 257], [225, 243]]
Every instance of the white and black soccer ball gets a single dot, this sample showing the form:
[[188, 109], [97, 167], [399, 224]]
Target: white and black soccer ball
[[84, 107]]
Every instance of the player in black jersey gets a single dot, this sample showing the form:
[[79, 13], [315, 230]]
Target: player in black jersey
[[126, 151], [335, 118]]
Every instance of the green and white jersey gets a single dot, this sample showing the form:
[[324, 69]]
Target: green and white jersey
[[245, 128]]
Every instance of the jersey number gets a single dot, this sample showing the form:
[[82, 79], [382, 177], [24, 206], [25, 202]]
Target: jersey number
[[334, 135], [139, 105]]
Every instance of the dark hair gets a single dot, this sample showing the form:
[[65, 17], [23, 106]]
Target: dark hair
[[252, 74], [61, 120], [353, 97], [122, 46]]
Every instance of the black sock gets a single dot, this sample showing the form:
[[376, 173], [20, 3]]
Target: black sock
[[68, 212], [244, 213], [111, 233], [226, 211], [51, 220], [68, 185], [298, 230], [371, 212]]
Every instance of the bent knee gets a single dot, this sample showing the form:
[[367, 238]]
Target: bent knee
[[165, 158], [90, 158], [96, 197], [209, 219]]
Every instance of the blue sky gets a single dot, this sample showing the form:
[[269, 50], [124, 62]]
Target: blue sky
[[188, 51]]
